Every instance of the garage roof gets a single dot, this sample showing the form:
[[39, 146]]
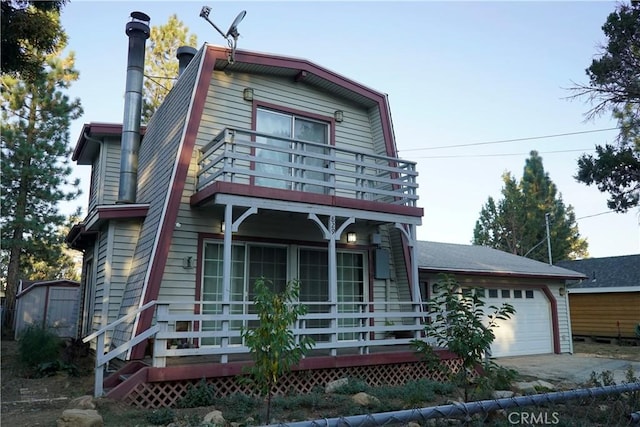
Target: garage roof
[[474, 259], [607, 272]]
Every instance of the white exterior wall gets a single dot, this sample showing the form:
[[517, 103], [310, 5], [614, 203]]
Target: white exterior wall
[[554, 286]]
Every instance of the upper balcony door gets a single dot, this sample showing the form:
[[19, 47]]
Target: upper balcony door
[[287, 158]]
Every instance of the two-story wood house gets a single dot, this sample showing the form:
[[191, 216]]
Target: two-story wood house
[[259, 165], [254, 166]]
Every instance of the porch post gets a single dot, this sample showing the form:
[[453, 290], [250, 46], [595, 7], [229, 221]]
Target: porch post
[[331, 234], [226, 276], [333, 282]]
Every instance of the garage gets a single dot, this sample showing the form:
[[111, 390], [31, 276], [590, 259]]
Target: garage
[[529, 331], [535, 289]]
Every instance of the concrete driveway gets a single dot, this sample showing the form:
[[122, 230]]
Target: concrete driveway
[[568, 368]]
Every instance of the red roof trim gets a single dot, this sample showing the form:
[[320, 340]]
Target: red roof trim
[[159, 261], [122, 211], [210, 191], [98, 128], [309, 67]]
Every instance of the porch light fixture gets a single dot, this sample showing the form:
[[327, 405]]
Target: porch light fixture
[[562, 292], [247, 94], [338, 115], [222, 228], [351, 237]]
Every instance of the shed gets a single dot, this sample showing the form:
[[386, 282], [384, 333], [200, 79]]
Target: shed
[[53, 304], [607, 303]]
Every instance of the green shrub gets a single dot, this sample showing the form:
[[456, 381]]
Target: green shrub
[[161, 417], [238, 407], [353, 386], [38, 346], [202, 394]]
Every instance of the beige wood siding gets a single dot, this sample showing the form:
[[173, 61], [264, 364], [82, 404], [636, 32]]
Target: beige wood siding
[[111, 174], [225, 107], [96, 176], [125, 236], [598, 314], [102, 276], [157, 162]]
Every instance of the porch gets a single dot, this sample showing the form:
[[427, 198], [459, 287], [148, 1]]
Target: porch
[[366, 340]]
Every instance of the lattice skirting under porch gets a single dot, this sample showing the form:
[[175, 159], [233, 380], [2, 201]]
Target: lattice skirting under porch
[[168, 394]]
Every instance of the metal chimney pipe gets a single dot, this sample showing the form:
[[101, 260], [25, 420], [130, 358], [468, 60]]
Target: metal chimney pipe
[[138, 31], [184, 54]]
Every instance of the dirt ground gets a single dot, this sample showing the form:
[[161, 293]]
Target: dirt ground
[[40, 401], [613, 351]]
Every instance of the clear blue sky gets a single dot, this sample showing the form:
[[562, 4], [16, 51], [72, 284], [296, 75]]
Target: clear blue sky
[[456, 73]]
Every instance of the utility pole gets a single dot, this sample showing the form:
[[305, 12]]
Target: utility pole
[[546, 220]]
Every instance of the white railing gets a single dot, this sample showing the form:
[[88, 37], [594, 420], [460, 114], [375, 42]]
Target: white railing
[[103, 358], [254, 158], [350, 326], [345, 326]]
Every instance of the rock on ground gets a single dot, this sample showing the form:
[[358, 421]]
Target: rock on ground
[[364, 399], [80, 418], [215, 417], [335, 385]]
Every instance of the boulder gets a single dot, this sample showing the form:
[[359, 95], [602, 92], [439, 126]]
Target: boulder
[[545, 385], [526, 387], [215, 417], [335, 385], [80, 418], [364, 399], [502, 394]]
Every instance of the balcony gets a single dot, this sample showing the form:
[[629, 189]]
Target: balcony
[[292, 169]]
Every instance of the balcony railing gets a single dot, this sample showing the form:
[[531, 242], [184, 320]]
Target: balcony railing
[[259, 159]]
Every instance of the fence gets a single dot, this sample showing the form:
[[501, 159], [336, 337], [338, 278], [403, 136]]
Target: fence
[[615, 405]]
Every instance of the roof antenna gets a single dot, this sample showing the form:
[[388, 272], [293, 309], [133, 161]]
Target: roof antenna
[[232, 33]]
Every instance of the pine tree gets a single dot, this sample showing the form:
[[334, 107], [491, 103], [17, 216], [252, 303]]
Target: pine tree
[[36, 115], [161, 65], [613, 87], [517, 223], [29, 29]]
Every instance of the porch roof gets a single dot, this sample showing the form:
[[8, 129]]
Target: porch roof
[[474, 259]]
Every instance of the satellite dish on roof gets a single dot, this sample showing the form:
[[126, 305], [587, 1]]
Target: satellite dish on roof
[[232, 34], [233, 29]]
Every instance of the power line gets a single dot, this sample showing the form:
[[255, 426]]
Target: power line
[[557, 135], [457, 156], [598, 214]]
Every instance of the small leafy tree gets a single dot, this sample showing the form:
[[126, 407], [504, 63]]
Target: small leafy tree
[[273, 344], [461, 323]]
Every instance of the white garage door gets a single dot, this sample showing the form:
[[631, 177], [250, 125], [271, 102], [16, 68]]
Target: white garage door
[[529, 330]]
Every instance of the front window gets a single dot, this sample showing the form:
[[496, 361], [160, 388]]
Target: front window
[[286, 164], [251, 261]]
